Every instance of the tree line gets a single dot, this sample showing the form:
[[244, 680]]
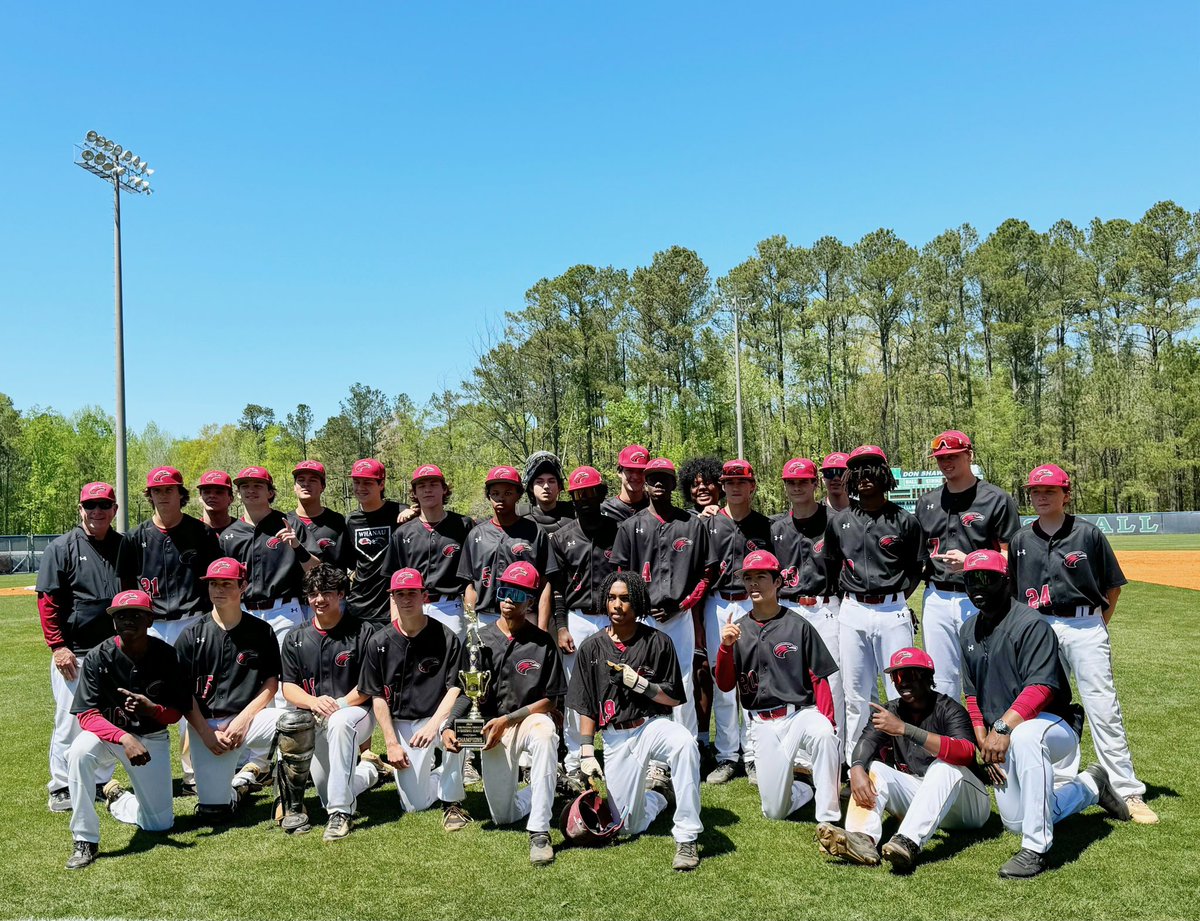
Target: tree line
[[1075, 345]]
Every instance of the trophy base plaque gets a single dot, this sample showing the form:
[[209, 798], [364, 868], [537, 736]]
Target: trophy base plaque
[[469, 732]]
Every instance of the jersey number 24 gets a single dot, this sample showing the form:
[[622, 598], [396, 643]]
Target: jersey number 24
[[1038, 600]]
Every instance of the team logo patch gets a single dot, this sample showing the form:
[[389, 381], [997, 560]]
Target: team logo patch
[[682, 544], [249, 658], [782, 649], [724, 566], [428, 666], [97, 491], [427, 470], [887, 541], [449, 550], [1042, 474], [527, 665], [126, 598], [819, 546], [519, 548], [608, 554], [342, 659], [273, 542], [164, 476], [222, 567], [372, 542], [1071, 560], [970, 518], [638, 457], [404, 577], [976, 558], [324, 543], [362, 467]]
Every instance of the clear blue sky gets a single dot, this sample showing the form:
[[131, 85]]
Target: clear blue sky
[[353, 193]]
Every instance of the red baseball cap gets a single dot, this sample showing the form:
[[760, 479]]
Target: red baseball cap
[[253, 475], [584, 478], [736, 470], [522, 575], [761, 560], [225, 568], [950, 442], [428, 472], [661, 465], [97, 491], [985, 561], [503, 474], [865, 453], [404, 579], [1049, 475], [368, 469], [164, 476], [310, 466], [131, 599], [835, 461], [215, 478], [634, 457], [799, 468], [910, 657]]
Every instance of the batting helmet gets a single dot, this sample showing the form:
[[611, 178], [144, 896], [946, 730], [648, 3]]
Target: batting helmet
[[588, 821]]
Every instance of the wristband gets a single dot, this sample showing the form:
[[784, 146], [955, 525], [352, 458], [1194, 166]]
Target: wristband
[[916, 733], [651, 690], [517, 715], [302, 554]]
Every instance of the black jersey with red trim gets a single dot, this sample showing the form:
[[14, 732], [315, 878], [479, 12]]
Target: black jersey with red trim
[[596, 690], [411, 673], [228, 668], [979, 518], [525, 667], [585, 559], [799, 545], [1001, 659], [729, 541], [169, 565], [489, 550], [433, 550], [156, 674], [619, 510], [1056, 574], [874, 553], [325, 663], [775, 662], [325, 532], [362, 551], [273, 570], [672, 554], [946, 718], [80, 576]]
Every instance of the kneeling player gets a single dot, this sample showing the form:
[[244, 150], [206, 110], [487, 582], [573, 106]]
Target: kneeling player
[[411, 671], [130, 689], [527, 678], [780, 667], [625, 683], [915, 761]]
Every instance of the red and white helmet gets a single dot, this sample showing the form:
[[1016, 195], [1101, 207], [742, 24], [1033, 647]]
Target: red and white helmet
[[588, 820]]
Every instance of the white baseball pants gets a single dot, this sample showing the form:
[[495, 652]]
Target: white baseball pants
[[66, 729], [214, 773], [501, 769], [421, 784], [778, 740], [450, 613], [169, 631], [824, 618], [282, 617], [948, 796], [942, 616], [724, 703], [337, 773], [869, 635], [149, 806], [682, 630], [580, 626], [628, 752]]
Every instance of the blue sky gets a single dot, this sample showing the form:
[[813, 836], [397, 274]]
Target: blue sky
[[357, 193]]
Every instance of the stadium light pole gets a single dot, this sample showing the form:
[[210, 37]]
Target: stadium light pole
[[736, 309], [113, 163]]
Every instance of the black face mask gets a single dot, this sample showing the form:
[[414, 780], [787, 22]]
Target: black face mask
[[988, 591]]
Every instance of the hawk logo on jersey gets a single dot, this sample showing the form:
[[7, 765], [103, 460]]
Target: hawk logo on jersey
[[682, 544], [1071, 560], [782, 649], [519, 548], [608, 554], [887, 540], [724, 566], [428, 666], [342, 659], [527, 665], [324, 543], [751, 546], [248, 657], [449, 550], [970, 518], [819, 546], [274, 542]]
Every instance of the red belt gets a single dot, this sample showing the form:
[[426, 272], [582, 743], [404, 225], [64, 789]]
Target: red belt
[[777, 714], [734, 596], [628, 724], [811, 601]]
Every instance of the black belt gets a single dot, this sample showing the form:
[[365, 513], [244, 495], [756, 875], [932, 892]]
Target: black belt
[[874, 599], [628, 724], [266, 605], [949, 587]]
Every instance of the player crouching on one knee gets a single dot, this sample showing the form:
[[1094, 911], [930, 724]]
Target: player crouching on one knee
[[130, 689], [527, 678], [780, 667], [625, 683], [916, 761]]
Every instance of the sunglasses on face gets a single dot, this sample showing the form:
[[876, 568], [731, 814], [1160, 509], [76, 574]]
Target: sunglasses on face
[[514, 595], [102, 504], [983, 579], [833, 474]]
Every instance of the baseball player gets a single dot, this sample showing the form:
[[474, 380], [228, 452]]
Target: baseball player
[[130, 689], [503, 539], [526, 686], [780, 669], [76, 581], [670, 550], [1064, 568], [411, 674], [432, 543], [626, 684], [734, 531], [362, 551], [631, 470], [916, 762], [321, 663], [875, 546], [700, 484], [543, 485], [963, 515], [325, 527], [833, 472], [583, 552], [232, 663], [216, 496], [1027, 730]]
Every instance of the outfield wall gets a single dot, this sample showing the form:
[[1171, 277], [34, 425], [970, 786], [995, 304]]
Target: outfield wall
[[1142, 522]]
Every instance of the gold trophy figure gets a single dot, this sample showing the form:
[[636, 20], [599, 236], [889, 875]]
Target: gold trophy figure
[[469, 729]]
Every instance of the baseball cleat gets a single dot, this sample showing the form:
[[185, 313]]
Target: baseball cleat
[[901, 852], [752, 773], [1024, 864], [337, 827], [471, 774], [60, 801], [112, 792], [722, 773], [687, 857], [1139, 812], [540, 851], [1109, 800], [851, 846], [250, 778], [187, 788], [213, 814], [454, 817], [84, 855]]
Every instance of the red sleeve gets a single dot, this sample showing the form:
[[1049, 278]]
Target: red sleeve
[[824, 698], [1029, 702], [974, 711], [726, 672], [957, 751], [51, 620], [93, 722], [166, 715], [696, 596]]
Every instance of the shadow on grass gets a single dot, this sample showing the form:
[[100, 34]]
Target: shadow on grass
[[143, 841], [1154, 791], [1075, 835], [713, 841], [953, 842]]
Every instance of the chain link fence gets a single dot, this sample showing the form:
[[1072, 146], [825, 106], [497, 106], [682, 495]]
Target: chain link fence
[[23, 552]]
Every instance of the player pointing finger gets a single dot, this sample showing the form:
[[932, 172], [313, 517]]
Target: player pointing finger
[[730, 632]]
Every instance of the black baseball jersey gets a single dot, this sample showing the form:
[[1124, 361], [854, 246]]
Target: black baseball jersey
[[433, 550], [1057, 574], [945, 718], [490, 549], [619, 510], [156, 674], [799, 545], [525, 668], [729, 541], [412, 673], [875, 553], [552, 521], [169, 565], [227, 668], [980, 518], [326, 662], [1000, 660], [671, 554], [273, 570], [325, 533], [585, 560], [362, 551], [776, 661], [597, 691], [80, 576]]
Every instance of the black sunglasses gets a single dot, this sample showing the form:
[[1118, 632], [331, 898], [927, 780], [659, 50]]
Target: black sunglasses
[[102, 504], [833, 474], [515, 595]]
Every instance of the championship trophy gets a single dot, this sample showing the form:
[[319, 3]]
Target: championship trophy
[[469, 729]]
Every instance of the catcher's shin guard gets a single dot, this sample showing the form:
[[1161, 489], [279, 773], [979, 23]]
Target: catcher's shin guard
[[296, 739]]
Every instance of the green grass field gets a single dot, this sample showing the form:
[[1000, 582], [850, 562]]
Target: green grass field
[[402, 867]]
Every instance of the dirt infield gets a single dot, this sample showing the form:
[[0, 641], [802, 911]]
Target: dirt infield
[[1178, 568], [13, 592]]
